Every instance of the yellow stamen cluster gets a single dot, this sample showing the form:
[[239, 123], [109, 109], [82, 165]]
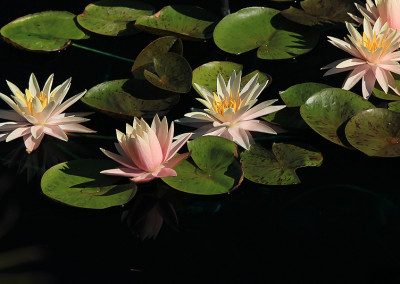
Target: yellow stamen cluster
[[28, 99], [228, 102], [373, 44]]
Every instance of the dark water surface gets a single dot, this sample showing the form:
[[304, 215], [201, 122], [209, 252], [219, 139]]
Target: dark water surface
[[340, 225]]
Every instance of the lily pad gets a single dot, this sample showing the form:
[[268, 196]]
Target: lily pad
[[173, 73], [390, 95], [298, 94], [155, 48], [45, 31], [79, 183], [265, 29], [376, 132], [128, 98], [262, 77], [113, 17], [327, 110], [394, 106], [277, 167], [288, 118], [183, 21], [317, 12], [214, 169]]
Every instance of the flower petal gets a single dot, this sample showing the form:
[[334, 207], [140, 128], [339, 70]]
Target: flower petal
[[31, 143], [55, 131]]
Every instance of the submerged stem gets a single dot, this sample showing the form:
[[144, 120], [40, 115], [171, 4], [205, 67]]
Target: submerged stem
[[102, 52]]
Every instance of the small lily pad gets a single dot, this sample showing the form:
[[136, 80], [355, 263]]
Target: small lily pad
[[128, 98], [277, 167], [214, 168], [113, 17], [265, 29], [79, 183], [262, 77], [376, 132], [155, 48], [328, 109], [45, 31], [183, 21], [173, 73], [298, 94]]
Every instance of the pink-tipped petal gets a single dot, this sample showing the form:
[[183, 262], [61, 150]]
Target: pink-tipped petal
[[37, 131], [177, 145], [256, 125], [368, 82], [55, 131], [77, 128], [19, 132], [31, 143], [165, 172], [120, 159], [261, 109], [240, 137], [174, 161], [143, 178], [355, 76], [124, 172]]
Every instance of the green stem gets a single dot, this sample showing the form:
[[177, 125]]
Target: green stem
[[102, 52]]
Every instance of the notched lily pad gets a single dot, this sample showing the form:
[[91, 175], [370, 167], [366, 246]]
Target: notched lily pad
[[45, 31], [265, 29], [376, 132], [183, 21], [128, 98], [298, 94], [328, 109], [213, 168], [79, 183], [113, 17], [277, 167]]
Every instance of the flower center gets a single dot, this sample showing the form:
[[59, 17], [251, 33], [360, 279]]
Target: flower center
[[28, 99], [373, 44], [227, 102]]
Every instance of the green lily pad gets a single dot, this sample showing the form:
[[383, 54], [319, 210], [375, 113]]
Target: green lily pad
[[287, 118], [155, 48], [183, 21], [327, 110], [277, 167], [113, 17], [173, 73], [394, 106], [262, 77], [298, 94], [214, 169], [265, 29], [79, 183], [128, 98], [390, 95], [376, 132], [317, 12], [45, 31]]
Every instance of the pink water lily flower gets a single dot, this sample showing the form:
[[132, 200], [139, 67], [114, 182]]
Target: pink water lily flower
[[374, 57], [147, 152], [37, 113], [230, 112]]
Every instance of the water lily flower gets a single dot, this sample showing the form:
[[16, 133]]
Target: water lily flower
[[147, 152], [374, 57], [230, 112], [37, 113]]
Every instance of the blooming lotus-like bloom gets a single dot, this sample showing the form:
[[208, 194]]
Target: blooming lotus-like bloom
[[37, 113], [375, 57], [230, 112], [147, 152]]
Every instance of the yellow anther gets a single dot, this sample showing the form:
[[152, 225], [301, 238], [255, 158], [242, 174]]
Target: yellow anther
[[373, 44], [228, 102]]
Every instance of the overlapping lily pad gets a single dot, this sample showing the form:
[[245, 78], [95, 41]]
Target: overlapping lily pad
[[45, 31], [113, 17], [265, 29], [277, 167], [155, 48], [394, 106], [183, 21], [390, 95], [327, 110], [79, 183], [213, 169], [128, 98], [376, 132]]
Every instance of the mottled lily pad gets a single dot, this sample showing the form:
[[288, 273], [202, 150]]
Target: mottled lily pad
[[128, 98], [298, 94], [45, 31], [213, 168], [155, 48], [376, 132], [113, 17], [317, 12], [277, 167], [183, 21], [265, 29], [327, 110], [79, 183], [173, 73]]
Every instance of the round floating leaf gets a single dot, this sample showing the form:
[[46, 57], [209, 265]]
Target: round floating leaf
[[277, 167], [390, 95], [128, 98], [376, 132], [316, 12], [184, 21], [155, 48], [394, 106], [79, 183], [265, 29], [214, 169], [327, 110], [298, 94], [262, 77], [113, 17], [46, 31], [288, 118], [173, 73]]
